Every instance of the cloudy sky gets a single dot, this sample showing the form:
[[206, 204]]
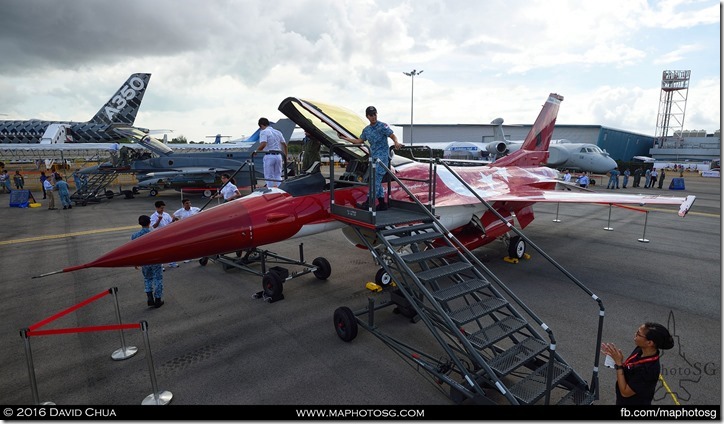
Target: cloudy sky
[[218, 65]]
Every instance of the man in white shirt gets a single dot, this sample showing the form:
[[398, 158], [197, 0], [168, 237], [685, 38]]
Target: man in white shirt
[[186, 211], [160, 219], [272, 142], [228, 191]]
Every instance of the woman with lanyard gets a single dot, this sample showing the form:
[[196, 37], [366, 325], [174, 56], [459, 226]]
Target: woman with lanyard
[[637, 375]]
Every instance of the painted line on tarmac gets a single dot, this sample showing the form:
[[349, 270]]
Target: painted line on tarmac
[[59, 236]]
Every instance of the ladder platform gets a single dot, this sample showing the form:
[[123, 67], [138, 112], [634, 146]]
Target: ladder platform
[[533, 386], [443, 271], [396, 216], [578, 396], [406, 229], [460, 289], [518, 355], [494, 332], [401, 241], [476, 310], [428, 254]]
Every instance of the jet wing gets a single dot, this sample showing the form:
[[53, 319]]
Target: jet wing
[[35, 151], [527, 185], [187, 171], [549, 196]]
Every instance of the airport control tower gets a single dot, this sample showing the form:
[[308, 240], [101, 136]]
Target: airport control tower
[[672, 103]]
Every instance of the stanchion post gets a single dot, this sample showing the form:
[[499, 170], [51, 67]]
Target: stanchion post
[[608, 227], [643, 238], [558, 205], [31, 368], [124, 352], [157, 397]]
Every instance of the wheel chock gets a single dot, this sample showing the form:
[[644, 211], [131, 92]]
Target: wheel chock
[[526, 256], [373, 287], [510, 260]]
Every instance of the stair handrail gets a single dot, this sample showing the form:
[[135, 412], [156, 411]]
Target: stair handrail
[[576, 281], [461, 337], [499, 283]]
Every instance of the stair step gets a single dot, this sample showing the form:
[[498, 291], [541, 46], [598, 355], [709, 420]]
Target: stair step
[[460, 289], [406, 229], [428, 254], [443, 271], [533, 386], [517, 355], [401, 241], [577, 396], [496, 331], [476, 310]]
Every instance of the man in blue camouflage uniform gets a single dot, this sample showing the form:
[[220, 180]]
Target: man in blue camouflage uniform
[[376, 133], [152, 274]]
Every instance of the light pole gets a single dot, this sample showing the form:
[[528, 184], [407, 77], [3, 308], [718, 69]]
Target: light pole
[[412, 98]]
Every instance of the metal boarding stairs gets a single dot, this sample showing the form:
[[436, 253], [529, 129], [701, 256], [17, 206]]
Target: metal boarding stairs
[[494, 350], [94, 190]]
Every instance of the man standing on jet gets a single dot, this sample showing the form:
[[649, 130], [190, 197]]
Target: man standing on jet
[[376, 132], [272, 142]]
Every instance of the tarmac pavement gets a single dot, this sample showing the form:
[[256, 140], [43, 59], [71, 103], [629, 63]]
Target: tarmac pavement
[[213, 344]]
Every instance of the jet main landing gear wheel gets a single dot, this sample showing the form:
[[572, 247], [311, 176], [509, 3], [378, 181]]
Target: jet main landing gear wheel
[[382, 278], [516, 248]]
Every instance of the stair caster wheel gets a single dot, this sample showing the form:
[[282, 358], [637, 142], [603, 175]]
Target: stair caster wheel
[[345, 324]]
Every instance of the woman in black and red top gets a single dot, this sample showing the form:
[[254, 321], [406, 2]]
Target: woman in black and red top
[[637, 375]]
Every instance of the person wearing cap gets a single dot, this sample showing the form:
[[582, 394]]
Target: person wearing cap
[[273, 143], [376, 133], [152, 274]]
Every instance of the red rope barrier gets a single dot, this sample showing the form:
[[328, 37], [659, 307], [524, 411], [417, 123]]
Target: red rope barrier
[[69, 310], [83, 329]]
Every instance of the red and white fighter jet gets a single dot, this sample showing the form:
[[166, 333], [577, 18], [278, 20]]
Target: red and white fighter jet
[[301, 206]]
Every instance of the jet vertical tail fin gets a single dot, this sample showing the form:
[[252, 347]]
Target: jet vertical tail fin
[[124, 104], [534, 151]]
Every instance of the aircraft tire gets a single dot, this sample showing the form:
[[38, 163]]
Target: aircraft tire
[[153, 192], [345, 324], [382, 278], [203, 261], [516, 248], [324, 269], [272, 285]]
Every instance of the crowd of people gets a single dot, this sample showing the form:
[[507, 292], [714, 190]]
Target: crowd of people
[[653, 178]]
